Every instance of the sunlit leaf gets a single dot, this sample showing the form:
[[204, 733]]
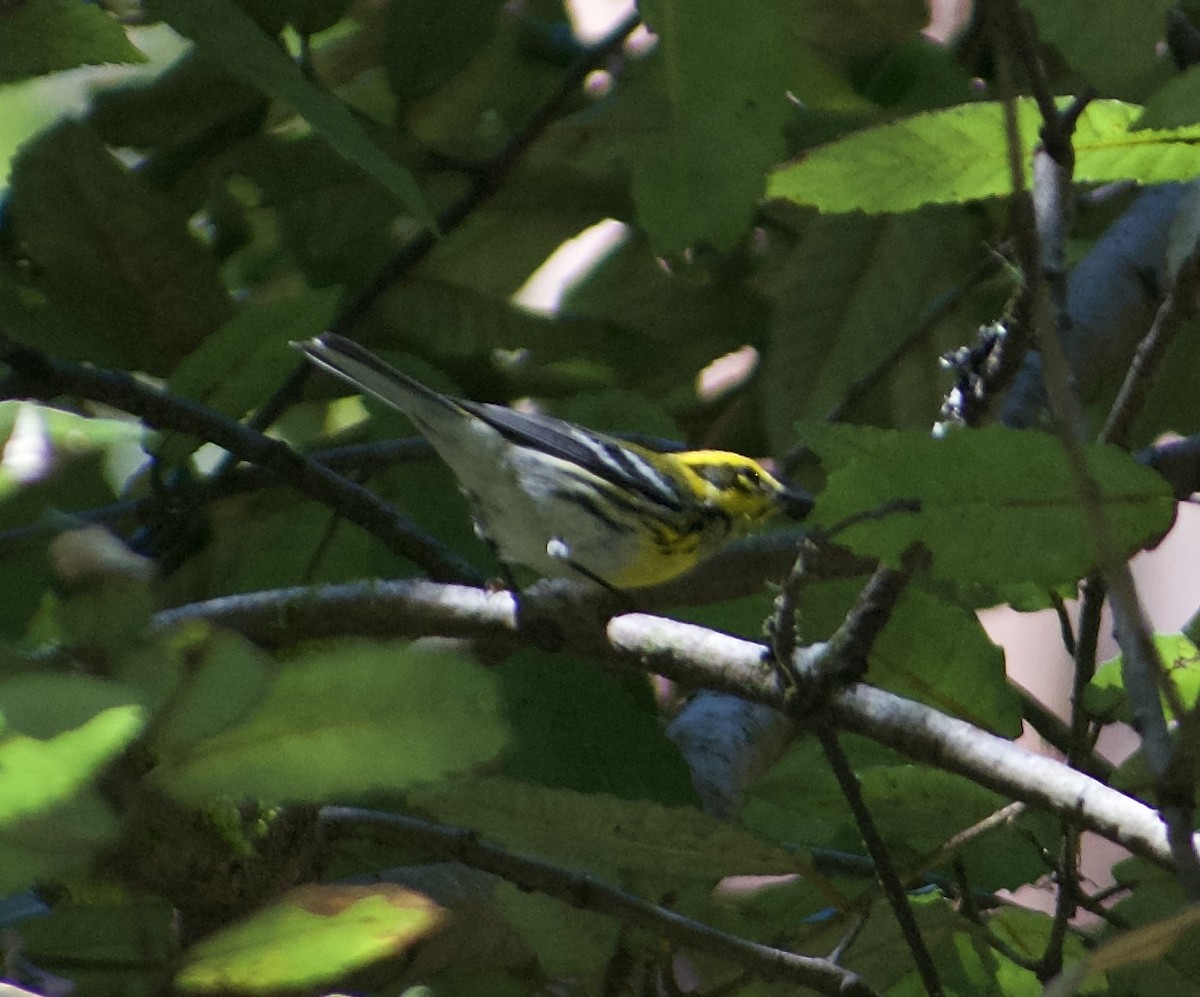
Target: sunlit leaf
[[311, 934], [58, 731], [959, 154], [1181, 667]]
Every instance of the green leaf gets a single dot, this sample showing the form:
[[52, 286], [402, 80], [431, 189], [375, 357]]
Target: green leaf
[[563, 714], [226, 676], [684, 314], [189, 104], [603, 833], [311, 934], [44, 36], [229, 37], [1154, 900], [719, 72], [459, 329], [919, 811], [347, 720], [938, 653], [958, 155], [833, 44], [31, 317], [328, 217], [942, 157], [771, 907], [312, 16], [931, 649], [41, 705], [428, 41], [855, 289], [1084, 31], [918, 75], [474, 113], [104, 602], [1174, 105], [55, 462], [855, 32], [998, 507], [1030, 932], [108, 246], [58, 732], [119, 947], [55, 842], [1149, 943], [1112, 147], [797, 801], [964, 961], [294, 540], [570, 943]]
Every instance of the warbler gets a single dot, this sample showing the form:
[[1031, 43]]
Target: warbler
[[562, 499]]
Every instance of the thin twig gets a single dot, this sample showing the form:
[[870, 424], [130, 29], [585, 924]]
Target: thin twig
[[1095, 904], [971, 913], [1177, 309], [1090, 610], [452, 844], [839, 950], [782, 624], [999, 818], [889, 879], [851, 643], [1066, 901], [1064, 623]]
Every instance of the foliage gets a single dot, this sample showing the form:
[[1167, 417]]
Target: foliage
[[810, 189]]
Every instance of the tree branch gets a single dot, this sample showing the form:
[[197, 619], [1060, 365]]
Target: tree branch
[[699, 658], [38, 375]]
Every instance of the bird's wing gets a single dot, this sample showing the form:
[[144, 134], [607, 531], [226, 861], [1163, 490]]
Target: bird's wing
[[603, 456]]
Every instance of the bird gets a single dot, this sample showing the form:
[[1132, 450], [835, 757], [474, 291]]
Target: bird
[[565, 500]]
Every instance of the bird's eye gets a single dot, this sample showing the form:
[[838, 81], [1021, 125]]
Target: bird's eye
[[750, 475]]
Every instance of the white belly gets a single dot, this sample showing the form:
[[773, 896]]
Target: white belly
[[535, 525]]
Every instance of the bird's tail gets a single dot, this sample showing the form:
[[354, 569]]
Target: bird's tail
[[365, 371]]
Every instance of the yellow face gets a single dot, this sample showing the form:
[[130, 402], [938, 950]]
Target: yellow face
[[740, 487]]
